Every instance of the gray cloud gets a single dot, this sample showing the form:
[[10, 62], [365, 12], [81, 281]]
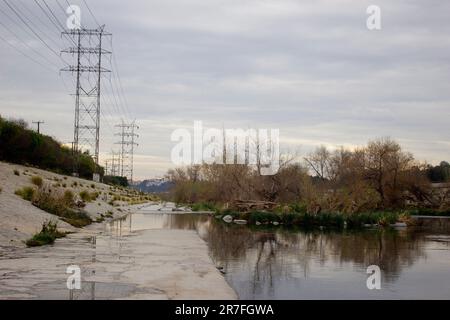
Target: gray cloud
[[310, 68]]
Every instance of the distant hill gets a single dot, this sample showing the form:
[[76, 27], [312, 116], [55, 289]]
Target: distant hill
[[153, 185]]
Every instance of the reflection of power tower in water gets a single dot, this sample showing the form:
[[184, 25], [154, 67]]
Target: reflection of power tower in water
[[127, 142], [88, 44]]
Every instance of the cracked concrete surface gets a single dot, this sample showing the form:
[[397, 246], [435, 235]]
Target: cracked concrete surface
[[145, 264]]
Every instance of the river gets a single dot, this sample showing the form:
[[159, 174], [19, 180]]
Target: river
[[280, 263], [155, 253]]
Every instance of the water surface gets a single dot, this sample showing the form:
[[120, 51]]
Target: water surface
[[280, 263]]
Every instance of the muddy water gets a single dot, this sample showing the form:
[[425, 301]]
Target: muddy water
[[294, 264]]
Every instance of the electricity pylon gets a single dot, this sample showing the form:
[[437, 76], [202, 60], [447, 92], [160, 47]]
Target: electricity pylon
[[127, 144], [87, 95]]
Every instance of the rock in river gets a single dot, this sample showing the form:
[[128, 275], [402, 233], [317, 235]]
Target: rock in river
[[228, 218]]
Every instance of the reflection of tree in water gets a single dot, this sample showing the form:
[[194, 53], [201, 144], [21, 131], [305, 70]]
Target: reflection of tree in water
[[389, 249], [228, 242], [257, 251], [184, 221], [273, 255]]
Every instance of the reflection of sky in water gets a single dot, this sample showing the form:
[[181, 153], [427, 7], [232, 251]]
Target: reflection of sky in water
[[280, 264]]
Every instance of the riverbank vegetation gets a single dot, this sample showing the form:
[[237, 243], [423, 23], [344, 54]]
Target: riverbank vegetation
[[48, 234], [20, 145], [322, 219], [54, 201], [116, 181], [374, 184], [61, 204]]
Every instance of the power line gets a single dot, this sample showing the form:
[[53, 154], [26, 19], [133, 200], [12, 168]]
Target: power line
[[26, 44], [109, 104], [53, 15], [16, 12], [31, 12], [89, 9], [58, 25], [121, 95], [89, 111], [26, 55], [119, 106], [116, 71]]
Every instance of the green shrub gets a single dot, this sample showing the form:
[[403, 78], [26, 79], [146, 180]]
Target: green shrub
[[263, 217], [48, 234], [68, 198], [94, 195], [100, 219], [298, 207], [204, 206], [21, 145], [37, 181], [114, 180], [61, 206], [85, 196], [26, 193], [109, 214]]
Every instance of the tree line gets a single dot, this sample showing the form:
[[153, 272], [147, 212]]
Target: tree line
[[378, 176], [19, 144]]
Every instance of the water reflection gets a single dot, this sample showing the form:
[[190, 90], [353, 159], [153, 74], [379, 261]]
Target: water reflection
[[148, 221], [294, 264]]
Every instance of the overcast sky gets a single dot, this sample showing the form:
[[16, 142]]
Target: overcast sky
[[310, 68]]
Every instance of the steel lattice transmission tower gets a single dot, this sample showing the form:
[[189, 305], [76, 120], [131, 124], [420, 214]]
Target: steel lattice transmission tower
[[112, 165], [88, 53], [127, 144]]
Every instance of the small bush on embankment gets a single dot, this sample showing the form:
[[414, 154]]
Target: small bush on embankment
[[26, 193], [87, 196], [62, 206], [48, 234], [37, 181]]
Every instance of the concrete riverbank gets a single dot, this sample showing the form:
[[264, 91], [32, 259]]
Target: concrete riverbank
[[147, 264], [144, 264]]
